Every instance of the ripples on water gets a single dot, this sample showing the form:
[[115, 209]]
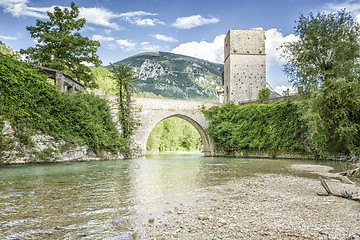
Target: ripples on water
[[110, 199]]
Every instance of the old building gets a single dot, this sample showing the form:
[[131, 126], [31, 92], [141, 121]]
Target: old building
[[244, 65]]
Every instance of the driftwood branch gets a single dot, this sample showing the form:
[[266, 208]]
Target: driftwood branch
[[350, 173], [324, 184], [330, 193]]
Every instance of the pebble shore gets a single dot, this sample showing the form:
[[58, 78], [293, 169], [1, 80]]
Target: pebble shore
[[269, 206]]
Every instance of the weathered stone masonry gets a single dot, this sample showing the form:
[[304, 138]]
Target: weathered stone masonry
[[244, 65]]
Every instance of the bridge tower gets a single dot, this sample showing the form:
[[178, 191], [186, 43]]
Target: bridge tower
[[244, 65]]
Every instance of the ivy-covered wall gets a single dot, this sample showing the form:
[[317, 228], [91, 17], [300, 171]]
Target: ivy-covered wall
[[262, 127]]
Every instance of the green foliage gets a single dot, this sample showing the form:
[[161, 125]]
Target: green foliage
[[123, 77], [333, 117], [104, 81], [324, 65], [263, 94], [61, 46], [328, 46], [258, 127], [174, 134], [33, 105]]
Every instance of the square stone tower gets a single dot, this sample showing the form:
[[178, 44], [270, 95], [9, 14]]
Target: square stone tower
[[244, 65]]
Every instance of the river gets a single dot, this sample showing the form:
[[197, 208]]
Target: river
[[112, 199]]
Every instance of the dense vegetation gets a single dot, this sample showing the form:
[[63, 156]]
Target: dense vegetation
[[274, 127], [32, 105], [324, 65], [174, 134]]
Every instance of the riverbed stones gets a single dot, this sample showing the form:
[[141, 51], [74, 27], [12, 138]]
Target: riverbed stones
[[267, 206]]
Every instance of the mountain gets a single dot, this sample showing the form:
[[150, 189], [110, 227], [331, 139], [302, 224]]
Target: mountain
[[177, 76]]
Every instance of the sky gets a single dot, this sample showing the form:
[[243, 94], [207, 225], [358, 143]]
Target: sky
[[190, 27]]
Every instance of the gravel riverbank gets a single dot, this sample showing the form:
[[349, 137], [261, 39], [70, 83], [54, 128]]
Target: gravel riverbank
[[269, 206]]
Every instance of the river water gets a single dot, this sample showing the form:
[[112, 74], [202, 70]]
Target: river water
[[111, 199]]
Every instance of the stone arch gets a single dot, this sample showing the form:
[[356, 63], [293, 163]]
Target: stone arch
[[153, 111], [206, 140]]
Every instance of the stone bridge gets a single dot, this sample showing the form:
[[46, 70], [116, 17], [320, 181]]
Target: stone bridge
[[153, 111]]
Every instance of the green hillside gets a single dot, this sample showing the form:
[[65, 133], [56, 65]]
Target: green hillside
[[176, 76]]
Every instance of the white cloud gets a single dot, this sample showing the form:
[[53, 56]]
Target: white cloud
[[164, 38], [19, 8], [349, 5], [8, 37], [136, 18], [146, 22], [98, 16], [274, 39], [151, 48], [101, 38], [130, 15], [352, 6], [193, 21], [281, 89], [104, 17], [211, 51], [126, 44]]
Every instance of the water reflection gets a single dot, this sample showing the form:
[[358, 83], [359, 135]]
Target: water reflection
[[110, 199]]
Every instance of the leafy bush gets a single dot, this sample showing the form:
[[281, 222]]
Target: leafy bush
[[31, 104], [258, 126]]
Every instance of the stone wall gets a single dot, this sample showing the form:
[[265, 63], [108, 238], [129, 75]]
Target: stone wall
[[244, 65]]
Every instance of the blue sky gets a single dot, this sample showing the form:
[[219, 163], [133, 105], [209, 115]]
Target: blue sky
[[189, 27]]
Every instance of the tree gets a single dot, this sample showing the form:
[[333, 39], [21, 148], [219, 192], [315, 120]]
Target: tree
[[324, 65], [60, 45], [264, 94], [104, 81], [124, 81]]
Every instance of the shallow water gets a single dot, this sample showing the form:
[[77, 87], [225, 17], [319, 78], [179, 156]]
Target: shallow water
[[111, 199]]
